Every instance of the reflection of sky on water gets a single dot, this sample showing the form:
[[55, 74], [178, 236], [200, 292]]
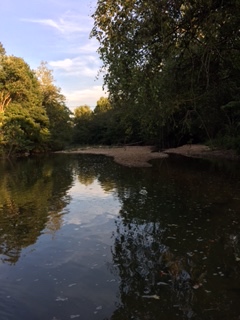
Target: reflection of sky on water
[[90, 205]]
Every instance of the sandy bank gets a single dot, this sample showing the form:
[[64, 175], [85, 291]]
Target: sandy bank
[[128, 156], [139, 156]]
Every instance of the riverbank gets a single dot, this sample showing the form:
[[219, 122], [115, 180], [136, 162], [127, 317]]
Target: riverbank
[[139, 156], [131, 156]]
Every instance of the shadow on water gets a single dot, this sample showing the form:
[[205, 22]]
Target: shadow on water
[[174, 248]]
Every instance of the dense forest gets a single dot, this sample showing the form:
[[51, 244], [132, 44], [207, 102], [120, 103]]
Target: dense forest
[[172, 70]]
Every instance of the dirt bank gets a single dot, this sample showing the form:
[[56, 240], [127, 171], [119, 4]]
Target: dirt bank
[[203, 151]]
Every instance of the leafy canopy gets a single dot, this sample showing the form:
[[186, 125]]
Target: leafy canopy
[[170, 65]]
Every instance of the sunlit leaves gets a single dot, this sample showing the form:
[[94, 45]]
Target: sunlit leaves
[[2, 50], [51, 93], [82, 124], [34, 116], [103, 105], [19, 81], [24, 123], [82, 112], [53, 102], [5, 99]]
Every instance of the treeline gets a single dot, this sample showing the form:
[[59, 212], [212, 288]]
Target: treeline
[[33, 114], [172, 69]]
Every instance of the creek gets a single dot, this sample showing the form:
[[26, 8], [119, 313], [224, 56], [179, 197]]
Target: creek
[[82, 237]]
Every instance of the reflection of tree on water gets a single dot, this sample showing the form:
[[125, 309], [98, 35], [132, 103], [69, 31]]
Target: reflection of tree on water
[[184, 193], [151, 274], [89, 168], [32, 193], [156, 280], [86, 175], [162, 240]]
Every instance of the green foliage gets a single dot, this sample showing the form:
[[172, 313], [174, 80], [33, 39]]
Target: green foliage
[[19, 81], [82, 125], [33, 114], [103, 125], [103, 105], [24, 130], [83, 112], [101, 122], [170, 65], [60, 125], [2, 50], [24, 123], [53, 102]]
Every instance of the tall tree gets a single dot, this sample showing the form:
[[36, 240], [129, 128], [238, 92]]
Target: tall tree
[[56, 109]]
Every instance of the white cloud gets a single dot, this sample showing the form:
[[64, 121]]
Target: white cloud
[[47, 22], [87, 66], [69, 23], [78, 75], [88, 96], [90, 47]]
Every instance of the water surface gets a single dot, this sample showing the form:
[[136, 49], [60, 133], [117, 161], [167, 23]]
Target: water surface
[[84, 238]]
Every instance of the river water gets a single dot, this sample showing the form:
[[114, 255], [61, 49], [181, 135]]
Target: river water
[[82, 237]]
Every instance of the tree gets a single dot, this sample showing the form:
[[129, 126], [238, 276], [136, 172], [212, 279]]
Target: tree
[[54, 104], [24, 130], [106, 127], [49, 91], [83, 112], [19, 81], [2, 50], [103, 105], [24, 123], [170, 65], [82, 133]]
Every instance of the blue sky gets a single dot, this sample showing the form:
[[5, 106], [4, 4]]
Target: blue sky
[[56, 31]]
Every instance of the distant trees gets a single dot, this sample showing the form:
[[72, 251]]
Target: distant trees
[[102, 122], [102, 125], [82, 125], [92, 126]]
